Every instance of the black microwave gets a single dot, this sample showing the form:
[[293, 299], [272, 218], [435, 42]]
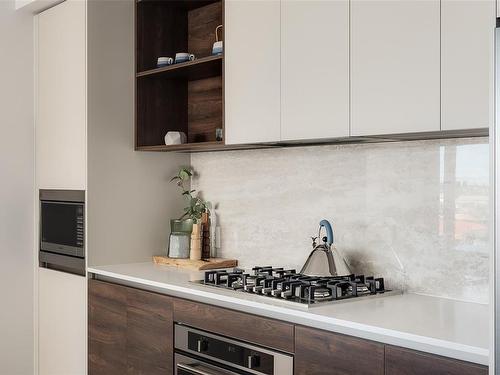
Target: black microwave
[[62, 222]]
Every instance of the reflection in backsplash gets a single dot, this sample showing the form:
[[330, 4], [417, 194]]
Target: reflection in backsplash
[[415, 213]]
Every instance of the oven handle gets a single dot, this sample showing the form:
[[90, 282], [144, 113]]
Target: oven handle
[[196, 370], [191, 369]]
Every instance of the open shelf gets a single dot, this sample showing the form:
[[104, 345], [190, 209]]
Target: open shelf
[[185, 97], [204, 67]]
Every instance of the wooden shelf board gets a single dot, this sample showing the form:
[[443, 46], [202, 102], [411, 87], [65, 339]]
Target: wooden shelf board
[[185, 4], [200, 147], [204, 67]]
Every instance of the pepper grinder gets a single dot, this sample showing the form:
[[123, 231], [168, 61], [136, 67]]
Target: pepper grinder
[[195, 253]]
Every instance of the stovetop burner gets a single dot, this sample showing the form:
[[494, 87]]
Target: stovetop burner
[[287, 284]]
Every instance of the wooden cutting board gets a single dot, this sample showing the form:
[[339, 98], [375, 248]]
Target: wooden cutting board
[[197, 265]]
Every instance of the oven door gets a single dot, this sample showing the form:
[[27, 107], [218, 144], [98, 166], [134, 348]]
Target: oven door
[[189, 366]]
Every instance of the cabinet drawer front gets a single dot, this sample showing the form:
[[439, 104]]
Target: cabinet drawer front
[[107, 328], [130, 331], [400, 361], [324, 353], [251, 328], [149, 333]]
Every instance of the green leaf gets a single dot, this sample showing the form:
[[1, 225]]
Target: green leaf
[[184, 174]]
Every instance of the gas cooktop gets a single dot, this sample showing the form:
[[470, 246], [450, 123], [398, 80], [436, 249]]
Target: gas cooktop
[[288, 285]]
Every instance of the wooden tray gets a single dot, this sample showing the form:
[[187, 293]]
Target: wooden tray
[[197, 265]]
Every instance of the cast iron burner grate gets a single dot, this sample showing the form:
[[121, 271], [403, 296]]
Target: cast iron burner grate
[[287, 284]]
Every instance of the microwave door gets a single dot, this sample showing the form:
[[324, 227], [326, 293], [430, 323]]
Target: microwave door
[[62, 228]]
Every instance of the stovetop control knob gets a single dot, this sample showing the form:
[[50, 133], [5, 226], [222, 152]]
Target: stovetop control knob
[[253, 361], [202, 345]]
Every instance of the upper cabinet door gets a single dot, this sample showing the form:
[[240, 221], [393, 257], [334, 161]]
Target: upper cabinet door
[[60, 131], [252, 71], [395, 66], [467, 49], [314, 69]]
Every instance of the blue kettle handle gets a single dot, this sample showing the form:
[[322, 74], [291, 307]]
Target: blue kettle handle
[[329, 231]]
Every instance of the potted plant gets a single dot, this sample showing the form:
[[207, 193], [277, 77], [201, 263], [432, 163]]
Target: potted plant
[[193, 212]]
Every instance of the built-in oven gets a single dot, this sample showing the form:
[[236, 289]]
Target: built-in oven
[[62, 230], [203, 353]]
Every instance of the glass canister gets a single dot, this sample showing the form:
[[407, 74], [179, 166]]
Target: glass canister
[[180, 237]]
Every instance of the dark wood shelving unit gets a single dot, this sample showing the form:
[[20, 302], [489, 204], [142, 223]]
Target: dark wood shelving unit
[[185, 97]]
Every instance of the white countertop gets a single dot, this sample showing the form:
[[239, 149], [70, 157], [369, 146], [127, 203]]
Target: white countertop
[[435, 325]]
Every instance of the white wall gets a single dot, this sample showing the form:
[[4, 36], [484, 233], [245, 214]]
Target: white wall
[[130, 198], [416, 213], [16, 190]]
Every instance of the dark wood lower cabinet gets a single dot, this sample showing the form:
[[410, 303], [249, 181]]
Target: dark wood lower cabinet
[[149, 333], [107, 329], [130, 331], [325, 353], [400, 361], [246, 327]]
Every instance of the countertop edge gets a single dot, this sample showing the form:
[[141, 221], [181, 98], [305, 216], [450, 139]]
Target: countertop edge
[[390, 337]]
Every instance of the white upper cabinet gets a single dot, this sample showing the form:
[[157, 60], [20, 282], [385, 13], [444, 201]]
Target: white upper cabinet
[[395, 66], [60, 132], [467, 49], [314, 69], [252, 71]]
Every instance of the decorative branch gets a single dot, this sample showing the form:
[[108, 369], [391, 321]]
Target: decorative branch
[[195, 205]]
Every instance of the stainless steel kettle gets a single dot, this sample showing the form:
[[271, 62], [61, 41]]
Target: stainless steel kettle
[[325, 260]]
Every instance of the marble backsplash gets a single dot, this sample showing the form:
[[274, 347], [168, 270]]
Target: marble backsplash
[[416, 213]]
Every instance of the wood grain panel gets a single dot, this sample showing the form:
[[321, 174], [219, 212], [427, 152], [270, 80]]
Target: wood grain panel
[[161, 31], [196, 265], [325, 353], [107, 321], [202, 23], [149, 333], [204, 109], [262, 331], [161, 107], [400, 361]]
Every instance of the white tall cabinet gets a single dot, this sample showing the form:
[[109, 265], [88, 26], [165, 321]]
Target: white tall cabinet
[[395, 66], [60, 149], [61, 97], [62, 323], [467, 48], [252, 71], [314, 69]]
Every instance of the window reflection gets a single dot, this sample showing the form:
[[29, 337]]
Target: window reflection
[[464, 196]]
